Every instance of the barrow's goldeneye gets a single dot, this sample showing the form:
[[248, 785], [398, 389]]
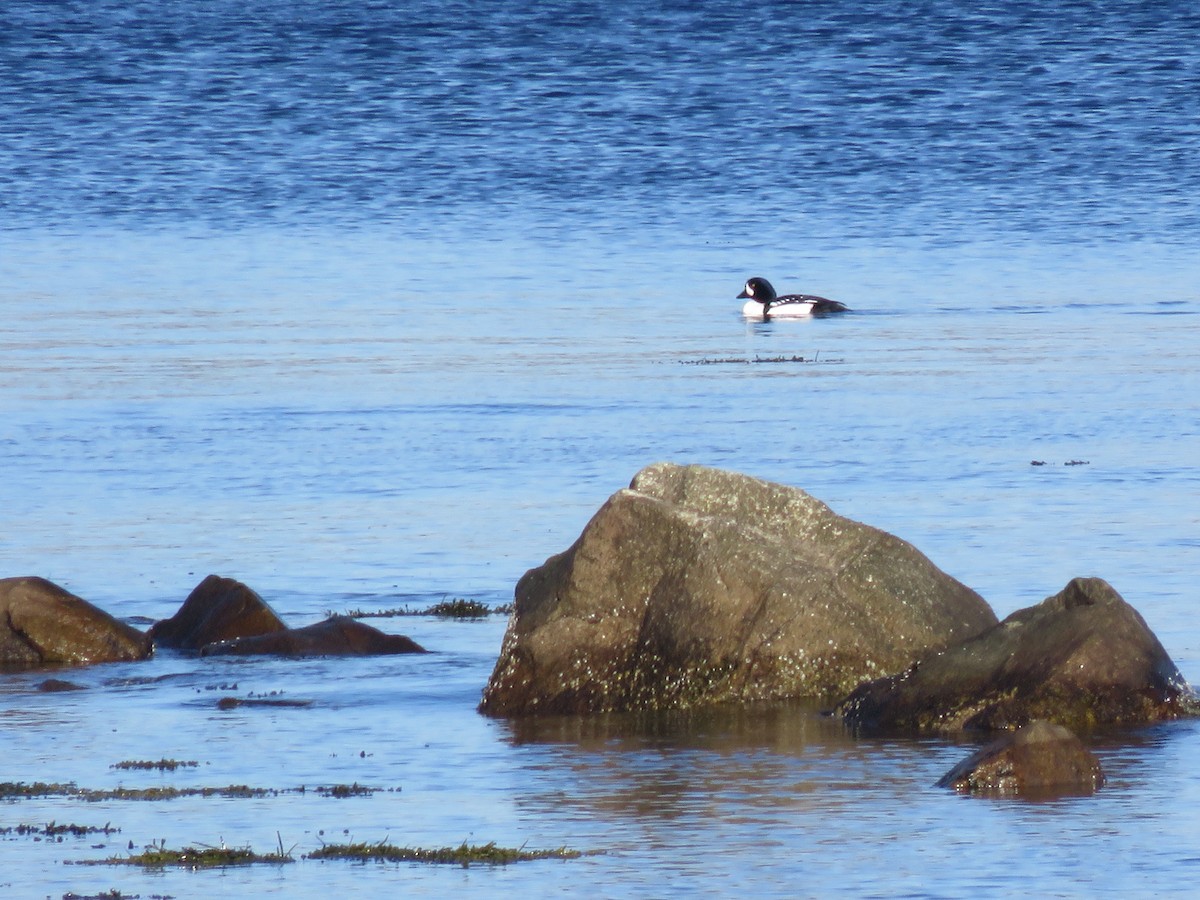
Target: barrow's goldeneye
[[762, 302]]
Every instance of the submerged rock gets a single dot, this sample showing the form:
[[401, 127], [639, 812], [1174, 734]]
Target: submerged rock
[[58, 685], [336, 636], [1081, 658], [43, 624], [218, 609], [1038, 759], [698, 585]]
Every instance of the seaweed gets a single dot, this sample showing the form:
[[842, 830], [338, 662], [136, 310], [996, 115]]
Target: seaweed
[[56, 831], [159, 856], [13, 790], [347, 790], [166, 765], [10, 790], [456, 608], [757, 360], [460, 609], [463, 855]]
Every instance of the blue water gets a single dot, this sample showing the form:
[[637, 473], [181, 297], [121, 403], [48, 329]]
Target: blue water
[[373, 304]]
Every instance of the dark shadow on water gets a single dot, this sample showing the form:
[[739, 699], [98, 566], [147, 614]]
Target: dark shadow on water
[[747, 767], [765, 764], [781, 727]]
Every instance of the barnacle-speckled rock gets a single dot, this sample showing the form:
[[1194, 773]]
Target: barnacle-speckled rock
[[1081, 658], [698, 585]]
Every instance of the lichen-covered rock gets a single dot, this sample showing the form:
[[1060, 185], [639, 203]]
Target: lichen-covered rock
[[1038, 759], [43, 624], [336, 636], [218, 609], [697, 585], [1081, 658]]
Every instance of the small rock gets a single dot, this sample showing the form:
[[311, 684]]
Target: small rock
[[1083, 657], [336, 636], [218, 609], [1038, 759], [54, 685]]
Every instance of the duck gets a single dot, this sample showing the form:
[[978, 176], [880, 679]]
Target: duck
[[762, 302]]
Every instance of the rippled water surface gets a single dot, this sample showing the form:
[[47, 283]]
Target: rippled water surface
[[369, 305]]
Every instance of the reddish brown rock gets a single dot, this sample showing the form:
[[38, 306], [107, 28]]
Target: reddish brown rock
[[1037, 760], [218, 609], [42, 624], [698, 586], [1081, 658], [336, 636]]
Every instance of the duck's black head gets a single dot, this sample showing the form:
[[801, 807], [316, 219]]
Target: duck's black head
[[758, 289]]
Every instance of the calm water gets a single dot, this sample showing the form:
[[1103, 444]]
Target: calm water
[[373, 304]]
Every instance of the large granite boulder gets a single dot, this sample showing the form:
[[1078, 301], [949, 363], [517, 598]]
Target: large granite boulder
[[43, 624], [1037, 760], [1081, 658], [698, 585], [336, 636], [218, 609]]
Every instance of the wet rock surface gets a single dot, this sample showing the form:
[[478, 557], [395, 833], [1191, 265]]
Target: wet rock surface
[[218, 609], [336, 636], [43, 624], [1081, 658], [1038, 760], [698, 585]]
